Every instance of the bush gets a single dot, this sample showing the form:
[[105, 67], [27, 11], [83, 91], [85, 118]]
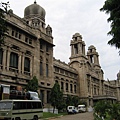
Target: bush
[[107, 111]]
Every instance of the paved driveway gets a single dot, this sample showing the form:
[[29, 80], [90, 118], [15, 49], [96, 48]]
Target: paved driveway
[[79, 116]]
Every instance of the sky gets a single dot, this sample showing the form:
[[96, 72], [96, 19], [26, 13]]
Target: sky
[[67, 17]]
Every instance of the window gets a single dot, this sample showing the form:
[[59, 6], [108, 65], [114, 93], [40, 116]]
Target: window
[[75, 89], [16, 34], [13, 33], [41, 46], [27, 64], [62, 85], [76, 48], [56, 69], [71, 88], [1, 56], [47, 49], [66, 86], [26, 40], [14, 60], [19, 36], [62, 71], [66, 73], [47, 70], [41, 68], [30, 41]]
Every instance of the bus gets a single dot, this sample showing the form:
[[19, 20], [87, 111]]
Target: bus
[[20, 109]]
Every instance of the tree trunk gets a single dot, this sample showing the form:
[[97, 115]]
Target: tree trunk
[[53, 109]]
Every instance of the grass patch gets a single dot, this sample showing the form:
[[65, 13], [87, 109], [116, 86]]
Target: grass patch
[[48, 114]]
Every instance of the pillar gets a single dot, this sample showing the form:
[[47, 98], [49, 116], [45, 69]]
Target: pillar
[[19, 64], [31, 66], [23, 59], [8, 59], [4, 59]]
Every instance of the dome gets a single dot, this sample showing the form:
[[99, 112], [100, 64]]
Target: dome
[[34, 10], [91, 47], [77, 35]]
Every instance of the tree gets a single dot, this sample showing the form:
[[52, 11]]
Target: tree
[[56, 97], [3, 26], [32, 85], [112, 7], [107, 110], [69, 101], [76, 101]]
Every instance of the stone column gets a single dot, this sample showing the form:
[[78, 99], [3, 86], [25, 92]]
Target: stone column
[[8, 58], [44, 66], [45, 96], [4, 59], [19, 64], [79, 49], [72, 50], [31, 66], [95, 59], [98, 59], [69, 87], [23, 59], [84, 49], [64, 86]]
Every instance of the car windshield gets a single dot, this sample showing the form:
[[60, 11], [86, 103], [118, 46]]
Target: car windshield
[[5, 105]]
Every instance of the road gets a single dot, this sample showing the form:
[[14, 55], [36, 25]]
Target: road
[[79, 116]]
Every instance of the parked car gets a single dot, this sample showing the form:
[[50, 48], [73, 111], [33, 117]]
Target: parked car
[[81, 108], [72, 110]]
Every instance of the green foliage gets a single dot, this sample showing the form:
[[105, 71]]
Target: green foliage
[[32, 85], [107, 110], [56, 97], [69, 100], [114, 111], [101, 108], [3, 26], [49, 115], [83, 102], [112, 7], [74, 101]]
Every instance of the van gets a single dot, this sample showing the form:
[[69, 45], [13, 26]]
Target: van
[[81, 108], [71, 109]]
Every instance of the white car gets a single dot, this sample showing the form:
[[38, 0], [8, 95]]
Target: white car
[[72, 110], [81, 108]]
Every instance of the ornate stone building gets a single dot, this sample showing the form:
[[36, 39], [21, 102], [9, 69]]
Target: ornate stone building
[[28, 52]]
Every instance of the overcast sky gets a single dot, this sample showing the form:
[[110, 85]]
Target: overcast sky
[[67, 17]]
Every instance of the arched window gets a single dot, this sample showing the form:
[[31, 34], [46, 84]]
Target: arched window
[[71, 88], [75, 88], [62, 86], [66, 86]]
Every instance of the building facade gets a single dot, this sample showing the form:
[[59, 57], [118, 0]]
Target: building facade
[[28, 52]]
